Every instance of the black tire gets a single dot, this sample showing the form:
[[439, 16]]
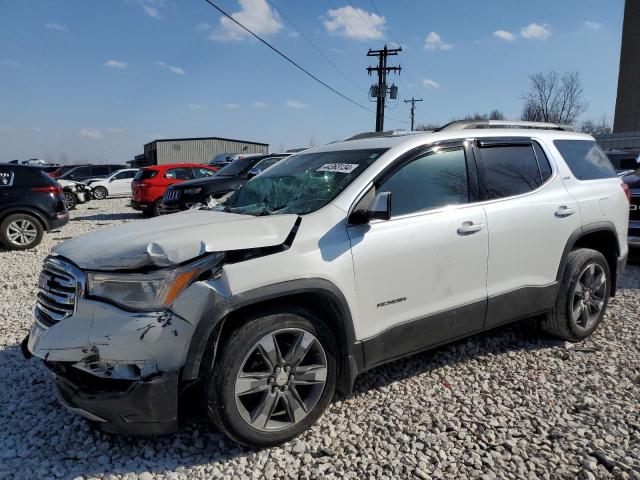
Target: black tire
[[225, 408], [154, 211], [30, 225], [100, 193], [561, 321], [70, 201]]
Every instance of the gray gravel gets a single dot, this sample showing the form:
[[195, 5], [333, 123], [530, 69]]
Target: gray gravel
[[506, 404]]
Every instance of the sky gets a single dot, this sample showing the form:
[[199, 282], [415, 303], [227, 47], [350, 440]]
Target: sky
[[95, 80]]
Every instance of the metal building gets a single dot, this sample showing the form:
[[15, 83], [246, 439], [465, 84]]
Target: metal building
[[194, 150], [627, 116]]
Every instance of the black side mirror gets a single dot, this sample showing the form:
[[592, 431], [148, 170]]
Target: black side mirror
[[378, 209]]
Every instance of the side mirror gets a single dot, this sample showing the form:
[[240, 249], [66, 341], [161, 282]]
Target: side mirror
[[378, 209]]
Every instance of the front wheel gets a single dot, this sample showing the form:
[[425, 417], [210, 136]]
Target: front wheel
[[275, 377], [583, 297], [70, 201], [100, 193]]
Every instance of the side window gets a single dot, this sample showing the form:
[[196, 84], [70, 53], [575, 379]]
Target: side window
[[82, 172], [101, 170], [434, 180], [6, 177], [585, 159], [202, 172], [543, 162], [179, 173], [121, 176], [509, 170]]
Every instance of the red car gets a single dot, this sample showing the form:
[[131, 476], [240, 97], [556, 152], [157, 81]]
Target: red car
[[149, 184]]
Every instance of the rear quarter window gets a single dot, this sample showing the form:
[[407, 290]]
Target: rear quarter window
[[585, 159], [145, 175]]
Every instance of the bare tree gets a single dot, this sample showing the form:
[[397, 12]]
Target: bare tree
[[427, 127], [553, 98], [494, 114], [596, 127]]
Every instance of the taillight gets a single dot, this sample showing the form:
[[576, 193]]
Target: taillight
[[50, 189], [625, 187]]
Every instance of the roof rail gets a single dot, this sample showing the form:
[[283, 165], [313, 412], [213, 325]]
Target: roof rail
[[473, 124], [386, 133]]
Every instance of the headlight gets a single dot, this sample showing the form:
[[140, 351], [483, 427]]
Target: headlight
[[192, 191], [148, 291]]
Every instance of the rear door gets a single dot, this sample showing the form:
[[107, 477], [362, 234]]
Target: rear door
[[530, 216]]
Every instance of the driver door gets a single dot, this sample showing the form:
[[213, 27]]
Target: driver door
[[421, 275]]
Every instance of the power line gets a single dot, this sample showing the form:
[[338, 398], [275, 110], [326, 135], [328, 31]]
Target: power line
[[310, 42], [288, 59]]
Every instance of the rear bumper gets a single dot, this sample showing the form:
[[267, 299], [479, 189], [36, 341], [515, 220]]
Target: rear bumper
[[60, 220], [143, 407], [139, 205]]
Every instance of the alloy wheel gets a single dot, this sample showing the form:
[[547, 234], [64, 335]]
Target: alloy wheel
[[281, 380], [22, 232], [589, 296]]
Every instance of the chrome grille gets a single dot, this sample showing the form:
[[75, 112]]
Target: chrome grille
[[59, 286], [171, 194]]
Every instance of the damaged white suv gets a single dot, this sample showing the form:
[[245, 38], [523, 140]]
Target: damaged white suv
[[332, 262]]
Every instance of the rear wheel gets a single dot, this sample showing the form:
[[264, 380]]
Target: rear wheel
[[583, 297], [155, 208], [100, 193], [275, 377], [70, 201], [21, 231]]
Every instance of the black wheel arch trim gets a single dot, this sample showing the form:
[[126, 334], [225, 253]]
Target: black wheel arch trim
[[210, 326], [44, 221], [601, 226]]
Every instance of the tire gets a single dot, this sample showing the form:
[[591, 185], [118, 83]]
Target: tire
[[100, 193], [70, 201], [21, 231], [154, 211], [569, 320], [277, 402]]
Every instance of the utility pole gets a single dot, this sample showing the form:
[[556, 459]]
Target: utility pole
[[380, 90], [413, 109]]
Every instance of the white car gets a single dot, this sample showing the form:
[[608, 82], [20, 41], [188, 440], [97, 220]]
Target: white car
[[118, 183], [333, 261]]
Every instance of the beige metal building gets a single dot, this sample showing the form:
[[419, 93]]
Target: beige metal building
[[194, 150]]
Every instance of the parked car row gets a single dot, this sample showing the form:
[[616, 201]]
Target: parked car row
[[627, 164]]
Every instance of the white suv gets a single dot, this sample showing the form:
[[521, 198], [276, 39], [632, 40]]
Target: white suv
[[118, 183], [334, 261]]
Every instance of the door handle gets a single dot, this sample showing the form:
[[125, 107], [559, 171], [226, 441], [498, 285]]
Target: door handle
[[467, 228], [564, 211]]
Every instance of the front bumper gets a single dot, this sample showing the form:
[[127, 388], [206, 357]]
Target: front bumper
[[144, 407], [172, 207], [116, 368]]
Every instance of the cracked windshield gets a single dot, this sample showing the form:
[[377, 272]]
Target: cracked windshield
[[300, 184]]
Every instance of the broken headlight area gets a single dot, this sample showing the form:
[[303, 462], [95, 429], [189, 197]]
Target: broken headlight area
[[151, 291]]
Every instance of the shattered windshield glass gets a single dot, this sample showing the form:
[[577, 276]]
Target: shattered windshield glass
[[301, 183]]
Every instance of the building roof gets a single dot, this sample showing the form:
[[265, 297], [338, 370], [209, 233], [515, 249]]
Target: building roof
[[204, 138]]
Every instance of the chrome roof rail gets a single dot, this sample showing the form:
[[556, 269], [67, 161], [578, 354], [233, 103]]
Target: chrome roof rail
[[479, 124]]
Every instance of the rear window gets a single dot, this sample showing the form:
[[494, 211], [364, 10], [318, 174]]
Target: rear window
[[585, 159], [145, 175]]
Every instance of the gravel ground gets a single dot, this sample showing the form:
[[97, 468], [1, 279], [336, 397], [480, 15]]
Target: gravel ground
[[506, 404]]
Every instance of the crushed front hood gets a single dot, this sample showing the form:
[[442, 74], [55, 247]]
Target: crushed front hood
[[173, 239]]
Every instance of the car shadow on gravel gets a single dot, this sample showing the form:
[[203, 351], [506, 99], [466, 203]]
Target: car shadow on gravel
[[108, 217]]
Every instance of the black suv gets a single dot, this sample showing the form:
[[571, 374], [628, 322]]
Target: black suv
[[31, 202], [84, 172], [183, 196]]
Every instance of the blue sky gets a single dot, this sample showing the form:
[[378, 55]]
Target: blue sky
[[95, 80]]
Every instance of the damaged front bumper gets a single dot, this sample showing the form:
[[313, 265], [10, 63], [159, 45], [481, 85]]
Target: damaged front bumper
[[116, 368]]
